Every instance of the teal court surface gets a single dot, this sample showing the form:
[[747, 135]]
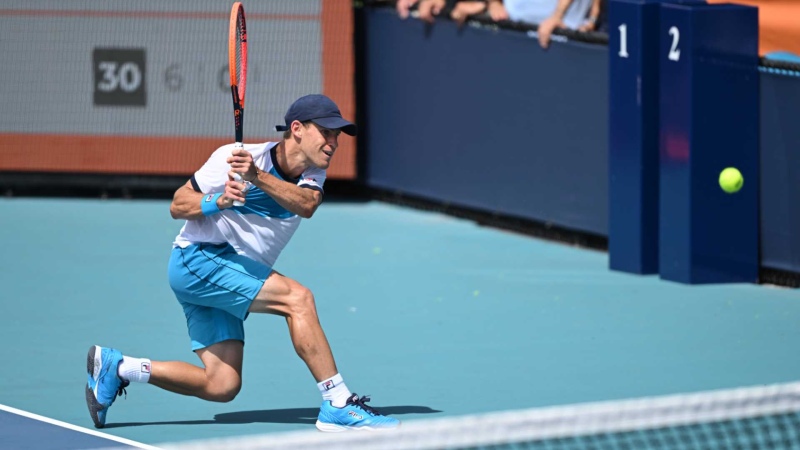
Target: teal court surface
[[433, 316]]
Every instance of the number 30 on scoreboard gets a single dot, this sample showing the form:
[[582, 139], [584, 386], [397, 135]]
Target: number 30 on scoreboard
[[119, 77]]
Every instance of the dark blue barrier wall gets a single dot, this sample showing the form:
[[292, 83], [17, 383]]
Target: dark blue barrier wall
[[486, 119], [780, 172]]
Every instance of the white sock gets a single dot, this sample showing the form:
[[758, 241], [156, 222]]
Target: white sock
[[335, 390], [135, 370]]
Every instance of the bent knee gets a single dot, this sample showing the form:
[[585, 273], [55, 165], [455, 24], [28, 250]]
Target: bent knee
[[302, 301], [285, 297], [224, 392]]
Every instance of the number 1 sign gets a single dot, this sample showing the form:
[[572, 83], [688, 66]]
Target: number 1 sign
[[633, 136]]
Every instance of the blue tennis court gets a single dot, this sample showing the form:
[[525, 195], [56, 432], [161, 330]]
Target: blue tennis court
[[31, 431], [433, 316]]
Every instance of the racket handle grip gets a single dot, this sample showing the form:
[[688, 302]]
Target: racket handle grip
[[238, 177]]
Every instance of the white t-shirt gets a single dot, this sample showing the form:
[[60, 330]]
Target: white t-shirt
[[535, 11], [259, 229]]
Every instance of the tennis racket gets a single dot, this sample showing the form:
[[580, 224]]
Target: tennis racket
[[237, 68]]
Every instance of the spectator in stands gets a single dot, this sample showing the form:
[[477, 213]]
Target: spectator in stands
[[549, 15], [460, 10], [404, 7], [601, 23], [427, 9], [580, 15], [493, 8]]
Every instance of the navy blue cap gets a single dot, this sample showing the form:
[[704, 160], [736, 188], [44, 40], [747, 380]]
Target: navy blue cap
[[320, 110]]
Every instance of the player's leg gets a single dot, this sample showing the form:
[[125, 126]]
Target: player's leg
[[341, 410], [286, 297], [216, 277], [219, 380], [215, 281], [215, 287]]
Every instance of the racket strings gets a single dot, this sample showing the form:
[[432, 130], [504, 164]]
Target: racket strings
[[240, 55]]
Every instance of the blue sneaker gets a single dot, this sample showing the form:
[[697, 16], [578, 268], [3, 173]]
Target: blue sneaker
[[104, 385], [354, 415]]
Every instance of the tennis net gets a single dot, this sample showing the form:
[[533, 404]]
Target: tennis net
[[762, 417]]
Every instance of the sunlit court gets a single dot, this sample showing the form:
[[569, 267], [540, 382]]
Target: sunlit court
[[513, 228]]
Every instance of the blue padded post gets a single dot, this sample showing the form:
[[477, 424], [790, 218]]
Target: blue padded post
[[709, 120], [633, 134]]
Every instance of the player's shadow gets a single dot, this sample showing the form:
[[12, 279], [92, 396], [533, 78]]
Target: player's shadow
[[287, 415], [306, 415]]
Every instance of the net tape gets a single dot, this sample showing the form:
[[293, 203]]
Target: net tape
[[769, 417]]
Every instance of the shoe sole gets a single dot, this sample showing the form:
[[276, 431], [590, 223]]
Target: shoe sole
[[333, 428], [93, 366]]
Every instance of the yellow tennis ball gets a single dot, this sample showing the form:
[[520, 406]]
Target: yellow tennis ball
[[731, 180]]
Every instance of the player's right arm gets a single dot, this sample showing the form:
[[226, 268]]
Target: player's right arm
[[186, 203], [212, 178]]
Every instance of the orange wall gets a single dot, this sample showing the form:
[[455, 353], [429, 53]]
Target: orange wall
[[338, 73]]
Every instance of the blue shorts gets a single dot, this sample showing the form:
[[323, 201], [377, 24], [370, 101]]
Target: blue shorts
[[215, 286]]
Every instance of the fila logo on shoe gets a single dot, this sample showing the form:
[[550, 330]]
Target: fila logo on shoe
[[354, 414]]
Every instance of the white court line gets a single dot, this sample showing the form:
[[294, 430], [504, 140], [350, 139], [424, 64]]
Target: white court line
[[69, 426]]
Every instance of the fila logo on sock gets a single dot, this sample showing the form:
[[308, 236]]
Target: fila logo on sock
[[329, 385], [146, 367]]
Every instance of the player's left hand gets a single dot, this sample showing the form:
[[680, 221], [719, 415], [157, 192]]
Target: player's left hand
[[234, 190], [241, 162]]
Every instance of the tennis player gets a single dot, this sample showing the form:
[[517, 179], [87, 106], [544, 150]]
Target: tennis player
[[221, 270]]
